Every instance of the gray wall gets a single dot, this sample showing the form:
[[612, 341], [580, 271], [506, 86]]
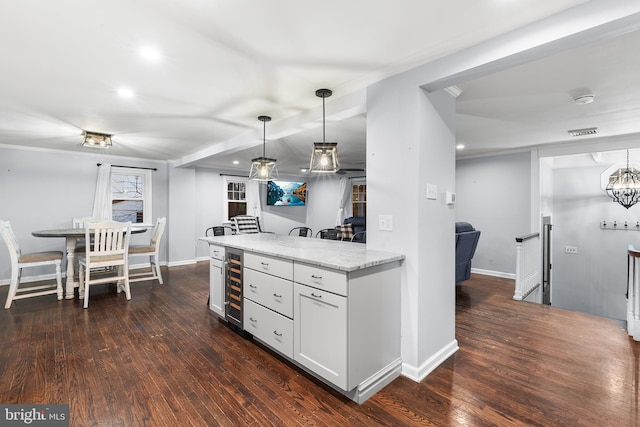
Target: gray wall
[[46, 189], [593, 280], [493, 194]]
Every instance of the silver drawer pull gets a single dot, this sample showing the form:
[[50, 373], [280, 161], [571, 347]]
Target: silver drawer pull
[[253, 286], [277, 334], [313, 276], [265, 264], [252, 319], [316, 296], [277, 296]]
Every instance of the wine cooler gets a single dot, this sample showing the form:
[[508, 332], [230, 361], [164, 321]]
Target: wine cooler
[[233, 289]]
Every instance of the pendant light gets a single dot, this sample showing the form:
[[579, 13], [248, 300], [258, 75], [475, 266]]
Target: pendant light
[[263, 168], [324, 155], [624, 186]]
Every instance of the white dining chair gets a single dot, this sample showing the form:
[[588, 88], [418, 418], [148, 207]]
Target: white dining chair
[[35, 259], [110, 249], [152, 250]]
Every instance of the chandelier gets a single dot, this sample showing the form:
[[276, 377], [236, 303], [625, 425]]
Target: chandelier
[[624, 186]]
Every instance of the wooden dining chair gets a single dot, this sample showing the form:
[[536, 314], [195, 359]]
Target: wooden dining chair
[[152, 250], [110, 248], [20, 261]]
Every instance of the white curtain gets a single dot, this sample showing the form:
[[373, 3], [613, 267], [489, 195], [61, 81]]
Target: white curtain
[[102, 200], [344, 191], [253, 194]]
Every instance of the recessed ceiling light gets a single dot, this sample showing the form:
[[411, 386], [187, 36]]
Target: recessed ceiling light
[[459, 146], [236, 162], [151, 53], [125, 92], [303, 170]]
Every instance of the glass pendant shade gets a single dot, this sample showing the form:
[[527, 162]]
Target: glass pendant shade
[[624, 186], [324, 157], [263, 168]]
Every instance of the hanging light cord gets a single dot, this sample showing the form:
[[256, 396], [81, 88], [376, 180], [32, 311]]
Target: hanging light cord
[[264, 136], [323, 124]]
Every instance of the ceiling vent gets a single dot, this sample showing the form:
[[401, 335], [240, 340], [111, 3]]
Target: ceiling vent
[[582, 132]]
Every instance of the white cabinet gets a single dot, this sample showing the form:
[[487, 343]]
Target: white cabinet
[[269, 327], [337, 316], [347, 326], [272, 292], [216, 280], [268, 301], [320, 333]]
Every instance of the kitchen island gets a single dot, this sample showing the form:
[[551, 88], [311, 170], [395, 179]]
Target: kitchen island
[[331, 307]]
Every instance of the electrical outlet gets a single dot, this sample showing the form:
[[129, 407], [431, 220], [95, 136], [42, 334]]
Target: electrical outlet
[[571, 250]]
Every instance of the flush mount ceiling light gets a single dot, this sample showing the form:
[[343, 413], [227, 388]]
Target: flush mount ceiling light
[[324, 155], [263, 168], [583, 99], [96, 140], [624, 186]]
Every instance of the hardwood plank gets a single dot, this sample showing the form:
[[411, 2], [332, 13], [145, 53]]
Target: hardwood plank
[[163, 359]]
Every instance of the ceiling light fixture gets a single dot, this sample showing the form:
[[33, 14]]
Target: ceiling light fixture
[[324, 155], [96, 140], [583, 99], [624, 186], [263, 168]]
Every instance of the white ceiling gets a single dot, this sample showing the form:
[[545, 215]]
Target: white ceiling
[[224, 62]]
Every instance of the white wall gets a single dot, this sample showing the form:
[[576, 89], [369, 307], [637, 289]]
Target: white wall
[[411, 142], [494, 195], [43, 189], [593, 280]]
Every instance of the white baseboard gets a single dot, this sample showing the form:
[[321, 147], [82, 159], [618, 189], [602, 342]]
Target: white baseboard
[[184, 262], [494, 273], [417, 374]]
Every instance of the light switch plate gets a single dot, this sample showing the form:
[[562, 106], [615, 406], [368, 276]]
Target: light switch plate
[[432, 192], [385, 222]]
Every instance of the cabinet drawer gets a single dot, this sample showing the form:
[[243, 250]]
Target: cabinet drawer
[[216, 252], [272, 292], [269, 327], [266, 264], [321, 278]]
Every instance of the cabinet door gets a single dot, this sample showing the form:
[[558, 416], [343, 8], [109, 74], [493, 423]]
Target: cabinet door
[[320, 333], [216, 287]]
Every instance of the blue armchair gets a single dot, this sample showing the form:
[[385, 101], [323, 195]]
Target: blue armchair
[[466, 242], [358, 225]]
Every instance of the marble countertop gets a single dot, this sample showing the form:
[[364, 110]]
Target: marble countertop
[[343, 256]]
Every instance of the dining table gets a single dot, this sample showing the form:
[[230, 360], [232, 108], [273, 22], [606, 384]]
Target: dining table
[[72, 235]]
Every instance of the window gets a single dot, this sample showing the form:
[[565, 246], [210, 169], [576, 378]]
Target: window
[[236, 198], [359, 199], [131, 195]]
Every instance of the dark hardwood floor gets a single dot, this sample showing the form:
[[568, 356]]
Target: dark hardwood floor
[[162, 359]]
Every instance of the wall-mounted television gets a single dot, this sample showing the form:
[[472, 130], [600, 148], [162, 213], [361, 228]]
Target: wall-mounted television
[[286, 193]]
